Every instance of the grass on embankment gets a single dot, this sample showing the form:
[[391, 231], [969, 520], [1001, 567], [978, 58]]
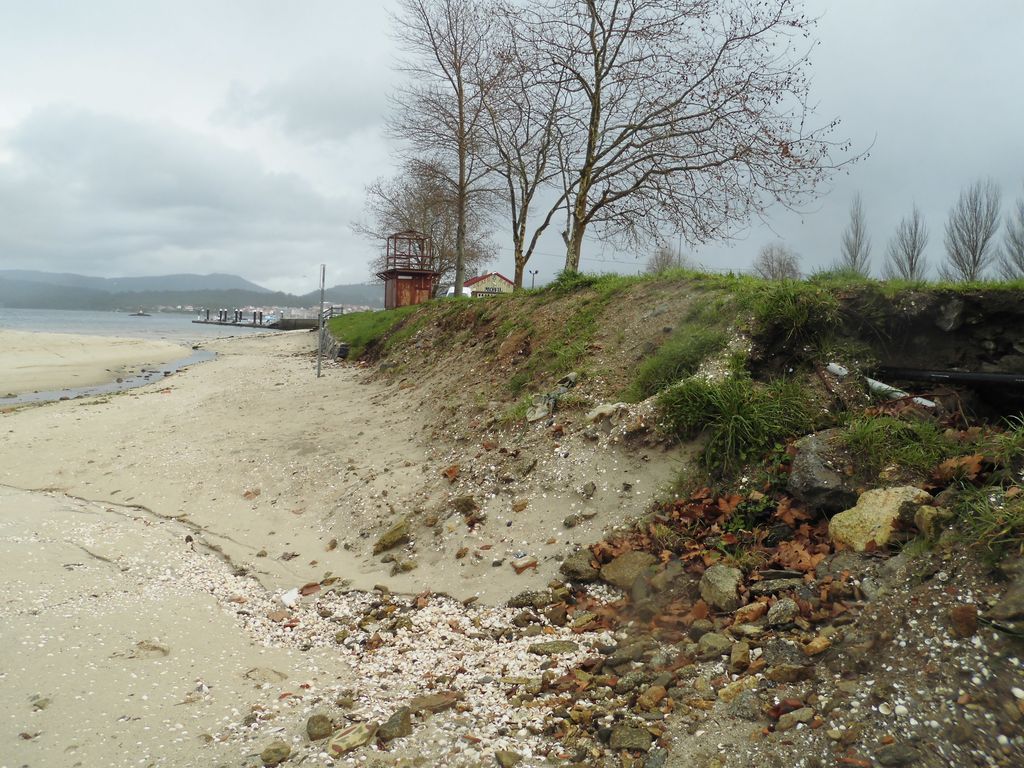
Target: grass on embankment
[[360, 329]]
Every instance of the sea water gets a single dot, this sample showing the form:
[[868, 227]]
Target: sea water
[[168, 326]]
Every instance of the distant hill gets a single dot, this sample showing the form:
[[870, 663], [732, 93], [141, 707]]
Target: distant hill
[[186, 282], [25, 289]]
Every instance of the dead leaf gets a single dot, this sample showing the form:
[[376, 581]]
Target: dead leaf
[[251, 494], [309, 589], [793, 554], [960, 467]]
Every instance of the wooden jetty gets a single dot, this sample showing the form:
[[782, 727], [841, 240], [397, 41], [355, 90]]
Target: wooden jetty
[[242, 319]]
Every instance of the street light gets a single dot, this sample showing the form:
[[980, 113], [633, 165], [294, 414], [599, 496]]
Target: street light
[[533, 276]]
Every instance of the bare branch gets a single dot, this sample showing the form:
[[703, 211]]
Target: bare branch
[[904, 256], [970, 233], [855, 253], [421, 199], [439, 114], [777, 262], [682, 115], [1011, 262]]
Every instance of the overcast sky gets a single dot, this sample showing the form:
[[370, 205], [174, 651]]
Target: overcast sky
[[141, 138]]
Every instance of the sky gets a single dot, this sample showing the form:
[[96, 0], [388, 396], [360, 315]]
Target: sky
[[238, 136]]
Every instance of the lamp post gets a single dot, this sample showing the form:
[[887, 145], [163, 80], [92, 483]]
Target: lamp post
[[533, 276]]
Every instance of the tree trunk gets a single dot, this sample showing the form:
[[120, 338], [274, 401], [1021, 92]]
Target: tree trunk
[[517, 279]]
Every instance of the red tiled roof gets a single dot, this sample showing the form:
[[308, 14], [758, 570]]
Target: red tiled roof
[[475, 280]]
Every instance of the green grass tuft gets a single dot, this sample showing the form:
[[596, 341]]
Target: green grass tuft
[[676, 359], [880, 442], [988, 518], [740, 419]]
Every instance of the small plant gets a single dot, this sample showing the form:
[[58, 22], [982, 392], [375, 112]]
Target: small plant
[[878, 442], [992, 518], [740, 419], [797, 312], [677, 358], [1008, 446]]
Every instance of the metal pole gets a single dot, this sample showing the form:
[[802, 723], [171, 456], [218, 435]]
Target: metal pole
[[320, 345]]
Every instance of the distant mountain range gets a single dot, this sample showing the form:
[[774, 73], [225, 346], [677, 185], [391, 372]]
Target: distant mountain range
[[27, 289]]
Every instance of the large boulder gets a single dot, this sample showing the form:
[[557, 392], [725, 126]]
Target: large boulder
[[818, 477], [625, 569], [875, 516], [719, 587]]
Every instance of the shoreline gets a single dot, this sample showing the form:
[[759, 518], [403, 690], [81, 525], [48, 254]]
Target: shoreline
[[36, 361]]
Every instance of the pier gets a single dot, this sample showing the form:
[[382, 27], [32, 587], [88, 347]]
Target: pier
[[239, 318]]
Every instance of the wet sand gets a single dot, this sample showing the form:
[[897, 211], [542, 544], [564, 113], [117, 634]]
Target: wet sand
[[32, 362]]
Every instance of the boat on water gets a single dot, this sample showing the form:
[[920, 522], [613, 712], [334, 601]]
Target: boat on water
[[140, 313]]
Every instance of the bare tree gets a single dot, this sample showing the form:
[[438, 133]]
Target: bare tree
[[439, 113], [419, 198], [970, 233], [1011, 262], [523, 110], [686, 116], [855, 246], [777, 262], [904, 256], [664, 258]]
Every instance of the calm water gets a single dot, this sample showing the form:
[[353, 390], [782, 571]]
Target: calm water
[[167, 326]]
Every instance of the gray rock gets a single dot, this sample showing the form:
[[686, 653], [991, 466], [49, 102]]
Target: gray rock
[[783, 612], [553, 648], [533, 598], [746, 706], [816, 478], [395, 535], [790, 719], [950, 315], [625, 736], [897, 755], [577, 567], [656, 758], [875, 516], [397, 726], [774, 586], [627, 568], [1011, 605], [719, 585], [275, 753], [712, 645], [319, 727], [588, 489]]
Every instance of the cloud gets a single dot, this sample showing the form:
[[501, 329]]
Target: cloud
[[96, 193], [322, 102]]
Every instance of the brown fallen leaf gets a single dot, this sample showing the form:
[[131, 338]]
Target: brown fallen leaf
[[251, 494], [309, 589]]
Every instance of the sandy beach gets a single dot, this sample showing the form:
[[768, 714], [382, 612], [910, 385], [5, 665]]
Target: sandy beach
[[151, 534], [32, 362]]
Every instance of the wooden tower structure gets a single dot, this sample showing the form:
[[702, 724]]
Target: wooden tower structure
[[410, 272]]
